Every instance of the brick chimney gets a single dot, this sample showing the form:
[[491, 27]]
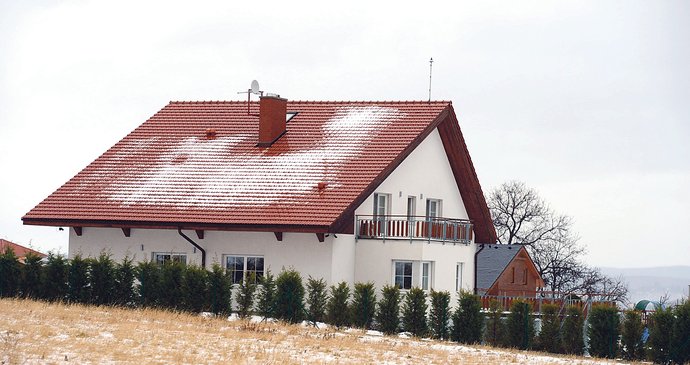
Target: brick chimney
[[272, 111]]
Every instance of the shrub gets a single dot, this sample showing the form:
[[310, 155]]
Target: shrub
[[245, 295], [317, 299], [680, 349], [520, 326], [102, 279], [549, 338], [468, 319], [10, 273], [32, 276], [572, 331], [631, 336], [439, 315], [363, 305], [195, 289], [602, 331], [414, 312], [267, 296], [172, 276], [289, 296], [337, 307], [149, 277], [494, 332], [55, 278], [219, 290], [78, 289], [388, 310], [124, 283], [660, 335]]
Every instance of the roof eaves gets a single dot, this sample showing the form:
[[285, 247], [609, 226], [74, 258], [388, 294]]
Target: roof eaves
[[301, 228]]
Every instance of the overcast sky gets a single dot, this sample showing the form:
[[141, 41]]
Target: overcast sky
[[587, 102]]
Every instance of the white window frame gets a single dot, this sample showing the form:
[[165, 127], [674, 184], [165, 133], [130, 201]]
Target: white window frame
[[396, 263], [459, 271], [382, 217], [386, 206], [411, 207], [439, 208], [417, 277], [428, 276], [171, 256], [245, 270]]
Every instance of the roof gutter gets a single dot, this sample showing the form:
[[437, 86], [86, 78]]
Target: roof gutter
[[203, 252], [475, 268]]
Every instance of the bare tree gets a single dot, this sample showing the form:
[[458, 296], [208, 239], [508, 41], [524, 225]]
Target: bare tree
[[522, 217], [605, 288]]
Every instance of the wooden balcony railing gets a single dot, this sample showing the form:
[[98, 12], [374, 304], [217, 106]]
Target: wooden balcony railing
[[414, 228]]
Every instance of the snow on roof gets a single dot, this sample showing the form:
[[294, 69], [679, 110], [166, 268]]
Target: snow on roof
[[167, 170]]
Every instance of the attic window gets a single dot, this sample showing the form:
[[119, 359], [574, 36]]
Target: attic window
[[289, 116]]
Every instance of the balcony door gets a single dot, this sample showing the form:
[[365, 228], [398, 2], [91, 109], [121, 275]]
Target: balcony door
[[381, 212], [433, 213], [433, 209]]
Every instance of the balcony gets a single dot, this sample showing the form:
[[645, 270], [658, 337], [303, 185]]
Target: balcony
[[393, 227]]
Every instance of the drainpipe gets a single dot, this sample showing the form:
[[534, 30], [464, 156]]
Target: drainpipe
[[203, 252], [475, 268]]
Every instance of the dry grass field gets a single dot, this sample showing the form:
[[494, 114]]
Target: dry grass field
[[34, 332]]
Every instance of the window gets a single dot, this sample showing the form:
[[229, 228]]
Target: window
[[433, 208], [403, 274], [458, 275], [524, 277], [240, 266], [512, 275], [165, 257], [408, 274], [381, 205], [426, 275], [411, 207]]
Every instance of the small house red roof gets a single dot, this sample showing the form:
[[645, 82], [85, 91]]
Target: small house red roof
[[19, 250], [169, 173]]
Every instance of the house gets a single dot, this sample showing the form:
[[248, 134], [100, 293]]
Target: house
[[381, 192], [19, 250], [506, 270]]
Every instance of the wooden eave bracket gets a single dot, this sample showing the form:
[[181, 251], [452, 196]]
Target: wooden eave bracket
[[321, 236], [78, 231], [279, 236], [127, 231], [199, 233]]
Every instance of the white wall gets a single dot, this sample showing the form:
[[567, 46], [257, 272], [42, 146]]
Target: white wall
[[302, 251], [425, 173]]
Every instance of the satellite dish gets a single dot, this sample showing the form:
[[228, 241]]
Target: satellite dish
[[255, 87]]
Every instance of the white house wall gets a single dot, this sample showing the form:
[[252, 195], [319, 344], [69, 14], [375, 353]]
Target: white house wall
[[425, 173], [302, 251]]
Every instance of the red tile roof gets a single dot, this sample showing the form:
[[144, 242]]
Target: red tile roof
[[168, 173], [19, 250]]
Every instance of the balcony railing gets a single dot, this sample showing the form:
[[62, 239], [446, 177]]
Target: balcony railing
[[414, 228]]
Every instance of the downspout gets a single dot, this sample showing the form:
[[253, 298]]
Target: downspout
[[475, 268], [203, 252]]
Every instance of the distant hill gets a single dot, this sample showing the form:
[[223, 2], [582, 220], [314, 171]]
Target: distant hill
[[652, 283]]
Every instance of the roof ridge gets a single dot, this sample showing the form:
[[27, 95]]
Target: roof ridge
[[317, 101]]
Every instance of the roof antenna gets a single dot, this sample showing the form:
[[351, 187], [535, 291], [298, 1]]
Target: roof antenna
[[431, 62], [253, 89]]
